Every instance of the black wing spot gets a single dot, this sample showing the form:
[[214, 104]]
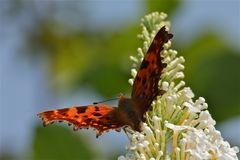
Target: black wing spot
[[138, 78], [81, 110], [97, 114], [63, 111], [97, 108], [153, 61], [144, 64], [76, 116], [152, 74], [144, 81]]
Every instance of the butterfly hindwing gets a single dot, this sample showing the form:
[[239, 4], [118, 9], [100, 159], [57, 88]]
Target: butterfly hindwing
[[100, 117], [145, 86]]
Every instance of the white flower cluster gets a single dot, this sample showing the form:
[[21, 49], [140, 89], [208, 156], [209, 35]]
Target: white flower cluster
[[178, 127]]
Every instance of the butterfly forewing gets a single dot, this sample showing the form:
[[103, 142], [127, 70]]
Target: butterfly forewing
[[100, 117], [145, 86]]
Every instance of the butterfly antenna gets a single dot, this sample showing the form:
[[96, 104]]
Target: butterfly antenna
[[105, 100]]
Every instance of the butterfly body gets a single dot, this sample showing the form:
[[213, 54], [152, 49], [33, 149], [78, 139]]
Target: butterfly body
[[129, 114], [131, 110]]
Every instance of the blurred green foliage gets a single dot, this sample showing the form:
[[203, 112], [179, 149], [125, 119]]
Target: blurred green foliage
[[59, 143], [89, 59], [100, 60], [93, 59], [167, 6], [211, 71]]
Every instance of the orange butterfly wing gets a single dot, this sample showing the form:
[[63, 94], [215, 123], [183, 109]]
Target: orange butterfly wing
[[100, 117], [145, 86]]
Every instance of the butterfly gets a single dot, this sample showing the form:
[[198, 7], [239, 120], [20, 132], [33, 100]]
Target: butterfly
[[131, 110]]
